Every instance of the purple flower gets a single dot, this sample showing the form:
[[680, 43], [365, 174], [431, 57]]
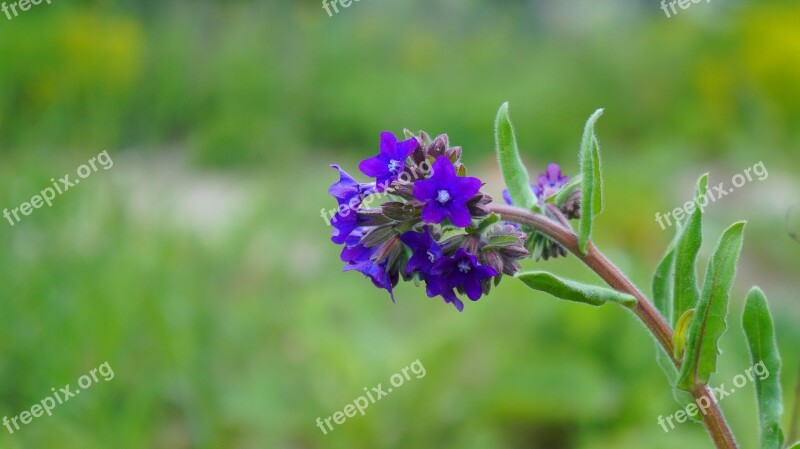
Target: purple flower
[[348, 188], [551, 181], [359, 258], [349, 194], [425, 251], [353, 250], [378, 273], [387, 165], [462, 270], [445, 195]]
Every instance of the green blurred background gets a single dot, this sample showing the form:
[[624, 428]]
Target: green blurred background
[[200, 269]]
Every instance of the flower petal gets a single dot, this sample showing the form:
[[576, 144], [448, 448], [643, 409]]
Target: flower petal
[[434, 213], [388, 144], [443, 170], [473, 288], [374, 167], [425, 190], [459, 215], [464, 188]]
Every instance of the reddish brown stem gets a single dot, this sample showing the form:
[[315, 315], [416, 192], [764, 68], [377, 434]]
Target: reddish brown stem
[[714, 420]]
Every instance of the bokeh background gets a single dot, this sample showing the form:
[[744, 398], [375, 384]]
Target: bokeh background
[[200, 269]]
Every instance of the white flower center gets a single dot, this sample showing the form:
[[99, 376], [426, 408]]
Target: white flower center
[[431, 257], [443, 196], [394, 166], [464, 266]]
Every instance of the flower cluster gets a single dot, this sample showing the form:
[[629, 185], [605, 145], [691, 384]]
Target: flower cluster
[[549, 184], [432, 224]]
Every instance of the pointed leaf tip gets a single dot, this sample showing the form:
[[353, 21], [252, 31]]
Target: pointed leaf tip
[[765, 356], [514, 173], [591, 180], [710, 319], [575, 291]]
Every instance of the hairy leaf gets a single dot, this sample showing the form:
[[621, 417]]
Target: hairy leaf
[[514, 172], [662, 284], [760, 332], [575, 291], [708, 323], [690, 239], [591, 181]]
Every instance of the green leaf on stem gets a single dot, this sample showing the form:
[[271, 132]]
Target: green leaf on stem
[[690, 238], [662, 284], [514, 172], [591, 181], [708, 323], [760, 332], [575, 291]]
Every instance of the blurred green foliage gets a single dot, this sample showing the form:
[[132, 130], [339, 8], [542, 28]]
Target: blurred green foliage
[[198, 266]]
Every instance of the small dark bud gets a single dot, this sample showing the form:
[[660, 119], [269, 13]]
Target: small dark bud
[[389, 252], [404, 190], [373, 217], [510, 266], [478, 205], [425, 138], [454, 154], [398, 211], [486, 285], [472, 243], [572, 205], [439, 146], [377, 236], [491, 258], [419, 154], [451, 244]]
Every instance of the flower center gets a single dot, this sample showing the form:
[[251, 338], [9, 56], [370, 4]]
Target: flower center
[[431, 257], [464, 266], [394, 166], [443, 196]]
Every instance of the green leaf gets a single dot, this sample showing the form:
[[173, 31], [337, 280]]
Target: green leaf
[[514, 172], [760, 332], [679, 336], [561, 196], [796, 445], [690, 238], [575, 291], [662, 284], [591, 181], [597, 191], [708, 323]]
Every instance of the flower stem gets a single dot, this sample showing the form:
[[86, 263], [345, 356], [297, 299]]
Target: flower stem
[[713, 420]]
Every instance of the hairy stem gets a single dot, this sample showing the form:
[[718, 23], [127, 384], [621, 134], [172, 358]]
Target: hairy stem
[[714, 420]]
